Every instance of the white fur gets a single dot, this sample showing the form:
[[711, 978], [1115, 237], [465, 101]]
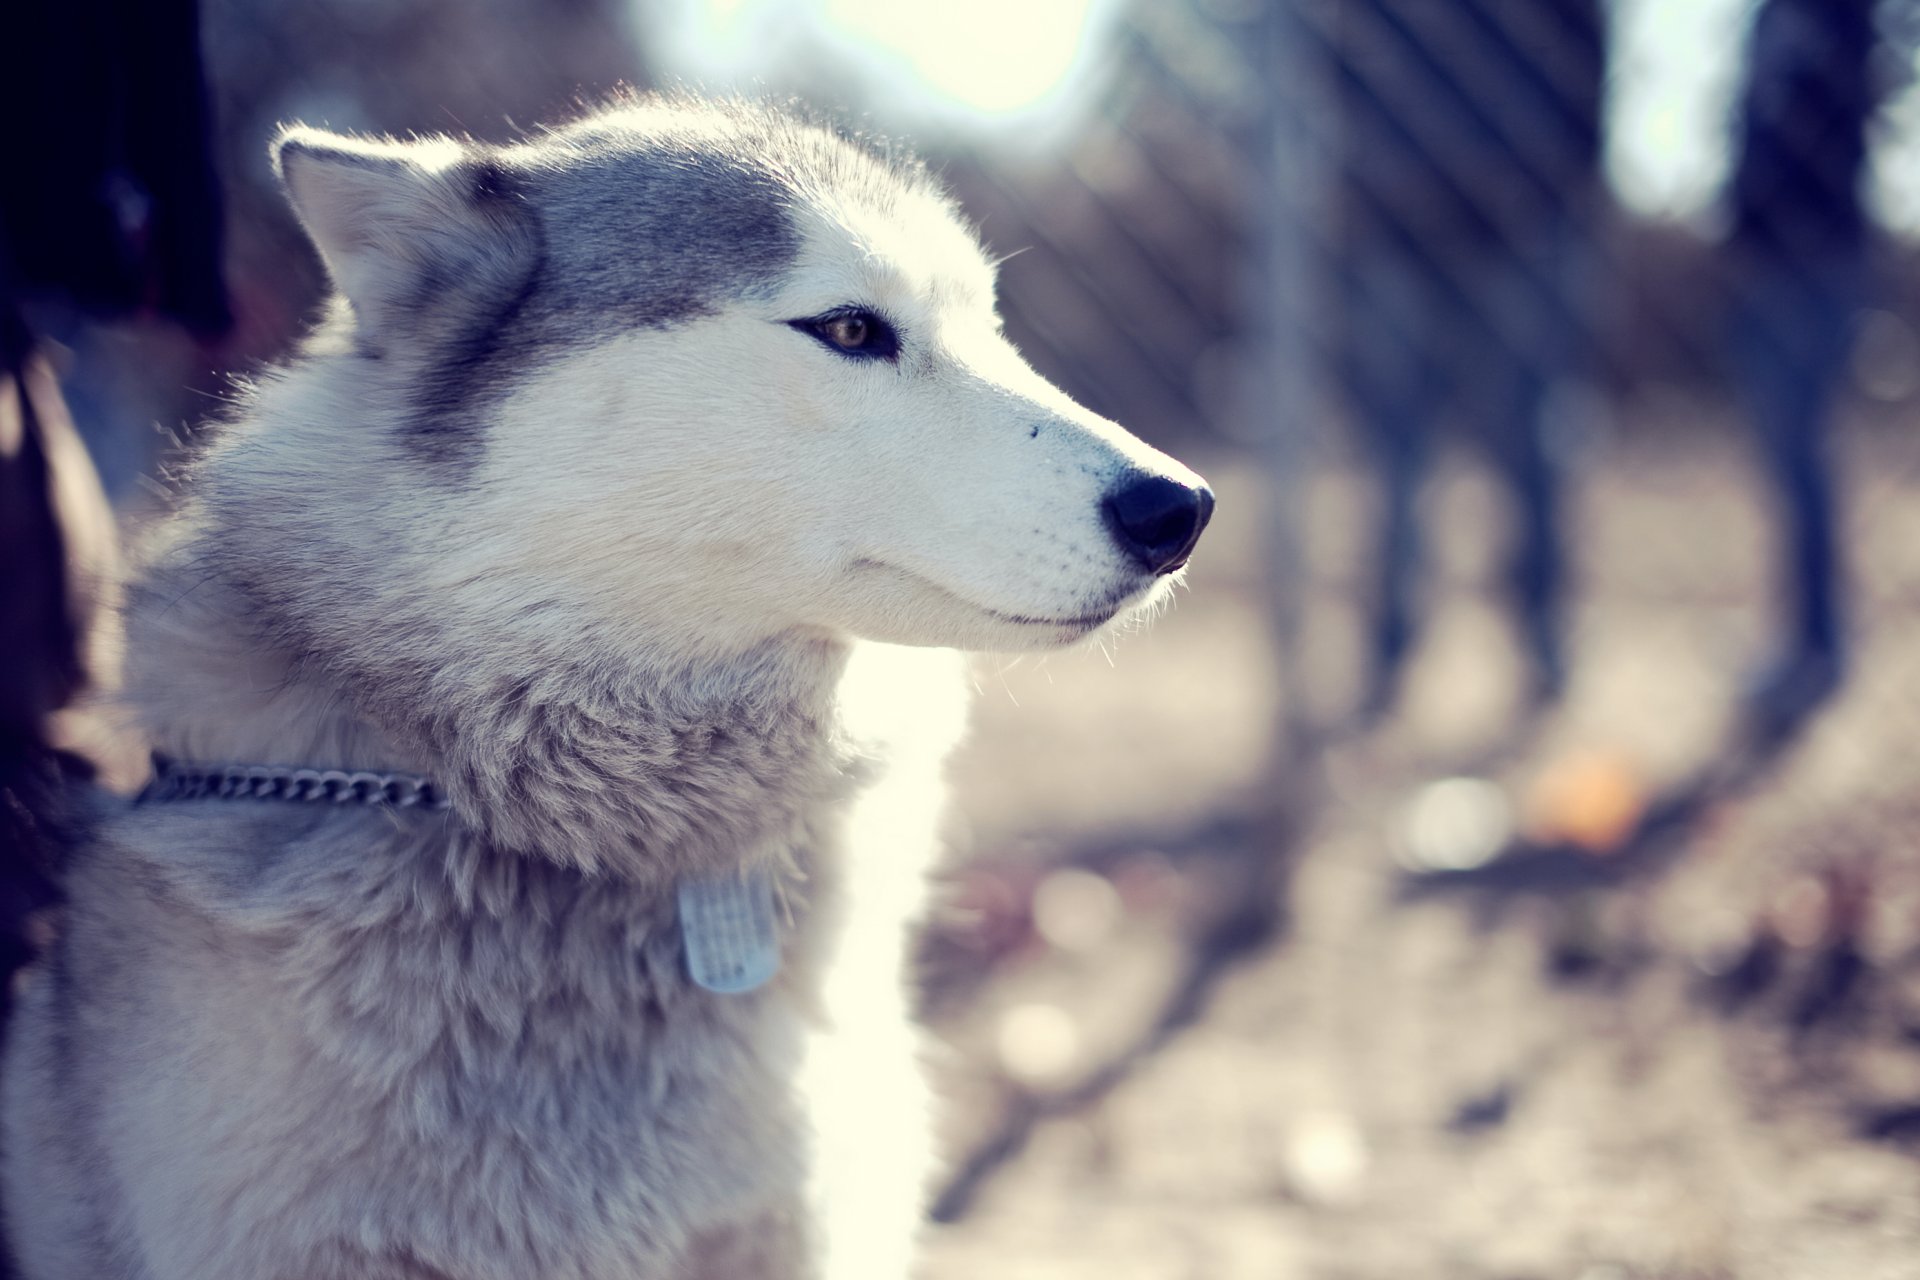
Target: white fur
[[636, 642]]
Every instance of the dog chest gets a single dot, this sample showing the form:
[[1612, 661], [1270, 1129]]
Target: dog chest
[[496, 1064]]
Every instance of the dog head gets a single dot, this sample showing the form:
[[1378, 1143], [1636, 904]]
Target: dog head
[[696, 377]]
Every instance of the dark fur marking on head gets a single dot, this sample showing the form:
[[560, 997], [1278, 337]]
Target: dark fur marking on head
[[619, 241], [614, 224], [490, 182], [465, 370], [453, 310]]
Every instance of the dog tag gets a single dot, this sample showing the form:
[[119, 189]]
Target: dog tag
[[727, 928]]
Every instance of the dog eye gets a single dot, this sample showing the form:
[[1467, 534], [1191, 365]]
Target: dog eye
[[854, 332]]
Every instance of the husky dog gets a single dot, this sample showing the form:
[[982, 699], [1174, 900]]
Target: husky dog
[[626, 508]]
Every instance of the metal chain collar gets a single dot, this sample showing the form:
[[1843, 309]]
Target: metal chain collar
[[727, 927], [175, 781]]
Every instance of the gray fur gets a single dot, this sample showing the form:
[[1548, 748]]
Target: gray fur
[[285, 1042], [695, 206], [278, 1041], [288, 1043]]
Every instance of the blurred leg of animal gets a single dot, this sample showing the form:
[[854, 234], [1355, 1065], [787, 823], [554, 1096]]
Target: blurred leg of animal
[[1791, 338], [1393, 312], [1798, 239], [1523, 339], [1535, 570]]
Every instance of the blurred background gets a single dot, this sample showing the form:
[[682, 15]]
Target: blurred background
[[1504, 862]]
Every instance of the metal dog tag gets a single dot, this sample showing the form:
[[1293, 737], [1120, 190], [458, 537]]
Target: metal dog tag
[[727, 928]]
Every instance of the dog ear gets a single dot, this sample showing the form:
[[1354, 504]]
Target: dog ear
[[399, 222]]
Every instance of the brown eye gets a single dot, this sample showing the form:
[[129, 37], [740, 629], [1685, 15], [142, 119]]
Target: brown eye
[[849, 333], [854, 332]]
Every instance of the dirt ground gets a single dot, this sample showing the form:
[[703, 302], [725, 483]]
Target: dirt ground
[[1562, 998]]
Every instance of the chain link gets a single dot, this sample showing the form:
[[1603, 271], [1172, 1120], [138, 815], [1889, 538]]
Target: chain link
[[175, 781]]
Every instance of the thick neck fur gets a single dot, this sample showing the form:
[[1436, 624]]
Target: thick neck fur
[[329, 601], [652, 774]]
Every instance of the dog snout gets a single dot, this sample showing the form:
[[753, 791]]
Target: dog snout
[[1158, 520]]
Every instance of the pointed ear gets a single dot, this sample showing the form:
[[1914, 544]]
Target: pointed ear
[[398, 223]]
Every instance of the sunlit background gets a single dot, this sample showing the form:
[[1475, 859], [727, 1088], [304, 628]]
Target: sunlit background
[[1582, 944]]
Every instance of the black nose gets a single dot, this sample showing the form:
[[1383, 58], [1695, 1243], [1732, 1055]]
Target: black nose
[[1158, 520]]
